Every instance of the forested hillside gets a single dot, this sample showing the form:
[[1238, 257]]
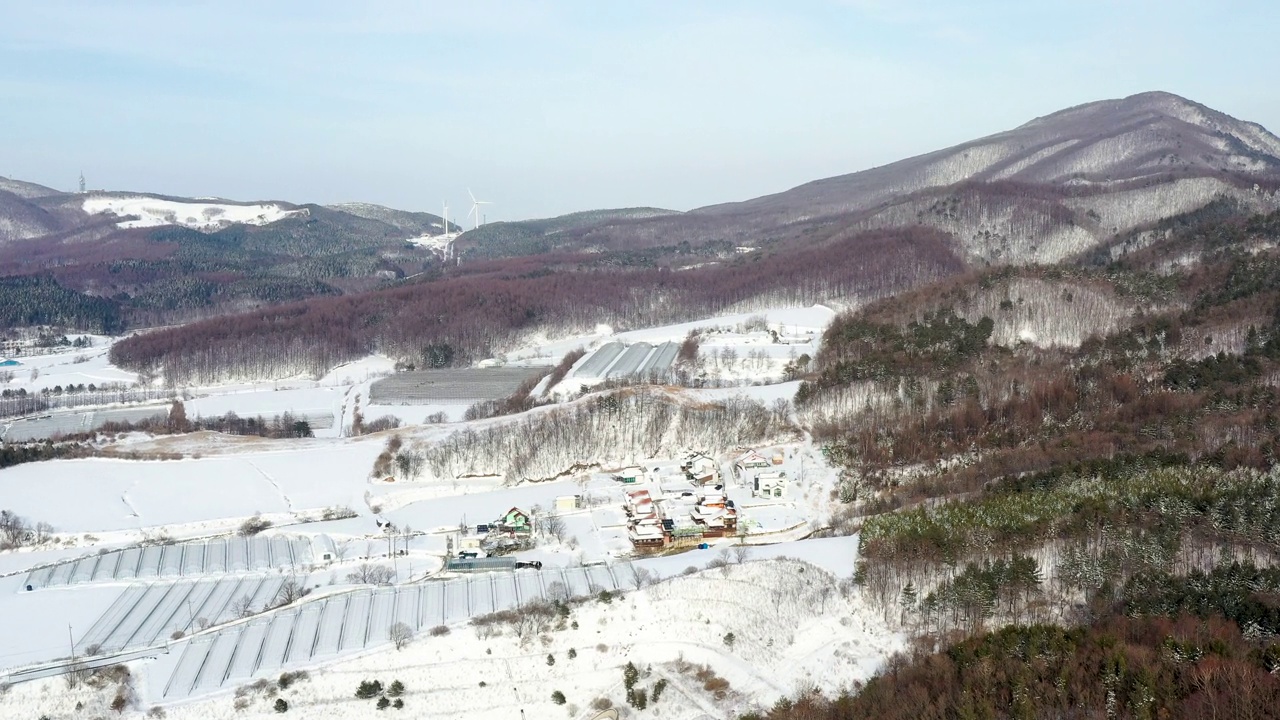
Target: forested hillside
[[1102, 485], [482, 308]]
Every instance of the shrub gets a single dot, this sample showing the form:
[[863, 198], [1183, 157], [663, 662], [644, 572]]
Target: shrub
[[369, 689], [605, 597], [253, 526], [156, 712], [396, 689], [658, 687], [483, 683], [438, 631], [281, 705], [601, 704], [119, 703], [289, 678], [551, 659], [398, 704], [572, 653], [640, 699], [557, 697], [383, 703], [729, 639]]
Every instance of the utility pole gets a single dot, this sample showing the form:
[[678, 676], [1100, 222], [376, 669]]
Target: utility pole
[[71, 638]]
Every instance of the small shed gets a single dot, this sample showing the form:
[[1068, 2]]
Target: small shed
[[631, 475], [568, 503]]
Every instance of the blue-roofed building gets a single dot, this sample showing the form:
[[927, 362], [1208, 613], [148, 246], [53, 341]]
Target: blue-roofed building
[[9, 363]]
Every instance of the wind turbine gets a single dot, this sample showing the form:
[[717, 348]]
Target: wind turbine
[[475, 208]]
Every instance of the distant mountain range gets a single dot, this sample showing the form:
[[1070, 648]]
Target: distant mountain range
[[1055, 187], [1066, 185]]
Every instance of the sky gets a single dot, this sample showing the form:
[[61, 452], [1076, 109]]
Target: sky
[[544, 108]]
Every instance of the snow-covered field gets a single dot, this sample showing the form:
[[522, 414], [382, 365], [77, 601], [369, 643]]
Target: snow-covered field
[[112, 571], [144, 211]]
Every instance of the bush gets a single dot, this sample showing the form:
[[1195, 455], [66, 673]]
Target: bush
[[572, 653], [383, 703], [281, 705], [658, 687], [120, 703], [605, 597], [396, 689], [369, 689], [557, 697], [601, 704], [253, 526], [398, 704], [156, 712], [729, 639], [640, 699], [438, 631], [289, 678], [551, 659]]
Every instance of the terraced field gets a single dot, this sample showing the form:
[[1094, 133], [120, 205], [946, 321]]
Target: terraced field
[[197, 558], [352, 622]]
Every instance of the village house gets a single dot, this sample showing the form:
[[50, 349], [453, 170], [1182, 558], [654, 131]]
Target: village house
[[514, 521], [701, 468], [750, 461], [769, 484], [631, 475]]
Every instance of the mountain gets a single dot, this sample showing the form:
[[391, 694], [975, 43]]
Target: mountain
[[161, 259], [416, 223], [533, 237], [1055, 187]]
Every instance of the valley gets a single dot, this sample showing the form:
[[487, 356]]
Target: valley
[[1009, 406]]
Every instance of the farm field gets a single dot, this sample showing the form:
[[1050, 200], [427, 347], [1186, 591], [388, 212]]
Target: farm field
[[197, 610]]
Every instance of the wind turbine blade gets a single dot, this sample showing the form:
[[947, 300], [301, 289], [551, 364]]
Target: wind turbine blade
[[473, 197]]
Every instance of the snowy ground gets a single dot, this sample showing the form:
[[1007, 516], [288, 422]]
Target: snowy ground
[[102, 509], [145, 211], [793, 626]]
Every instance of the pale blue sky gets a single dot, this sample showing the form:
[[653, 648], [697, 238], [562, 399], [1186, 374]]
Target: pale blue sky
[[546, 108]]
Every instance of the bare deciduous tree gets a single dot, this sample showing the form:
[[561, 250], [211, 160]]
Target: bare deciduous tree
[[400, 635], [554, 526], [371, 574], [639, 576], [242, 607], [290, 591], [340, 549], [14, 529]]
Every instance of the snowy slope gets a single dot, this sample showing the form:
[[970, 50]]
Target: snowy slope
[[140, 211]]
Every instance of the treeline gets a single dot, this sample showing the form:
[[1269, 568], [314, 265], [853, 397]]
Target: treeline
[[19, 402], [612, 429], [31, 300], [487, 307]]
